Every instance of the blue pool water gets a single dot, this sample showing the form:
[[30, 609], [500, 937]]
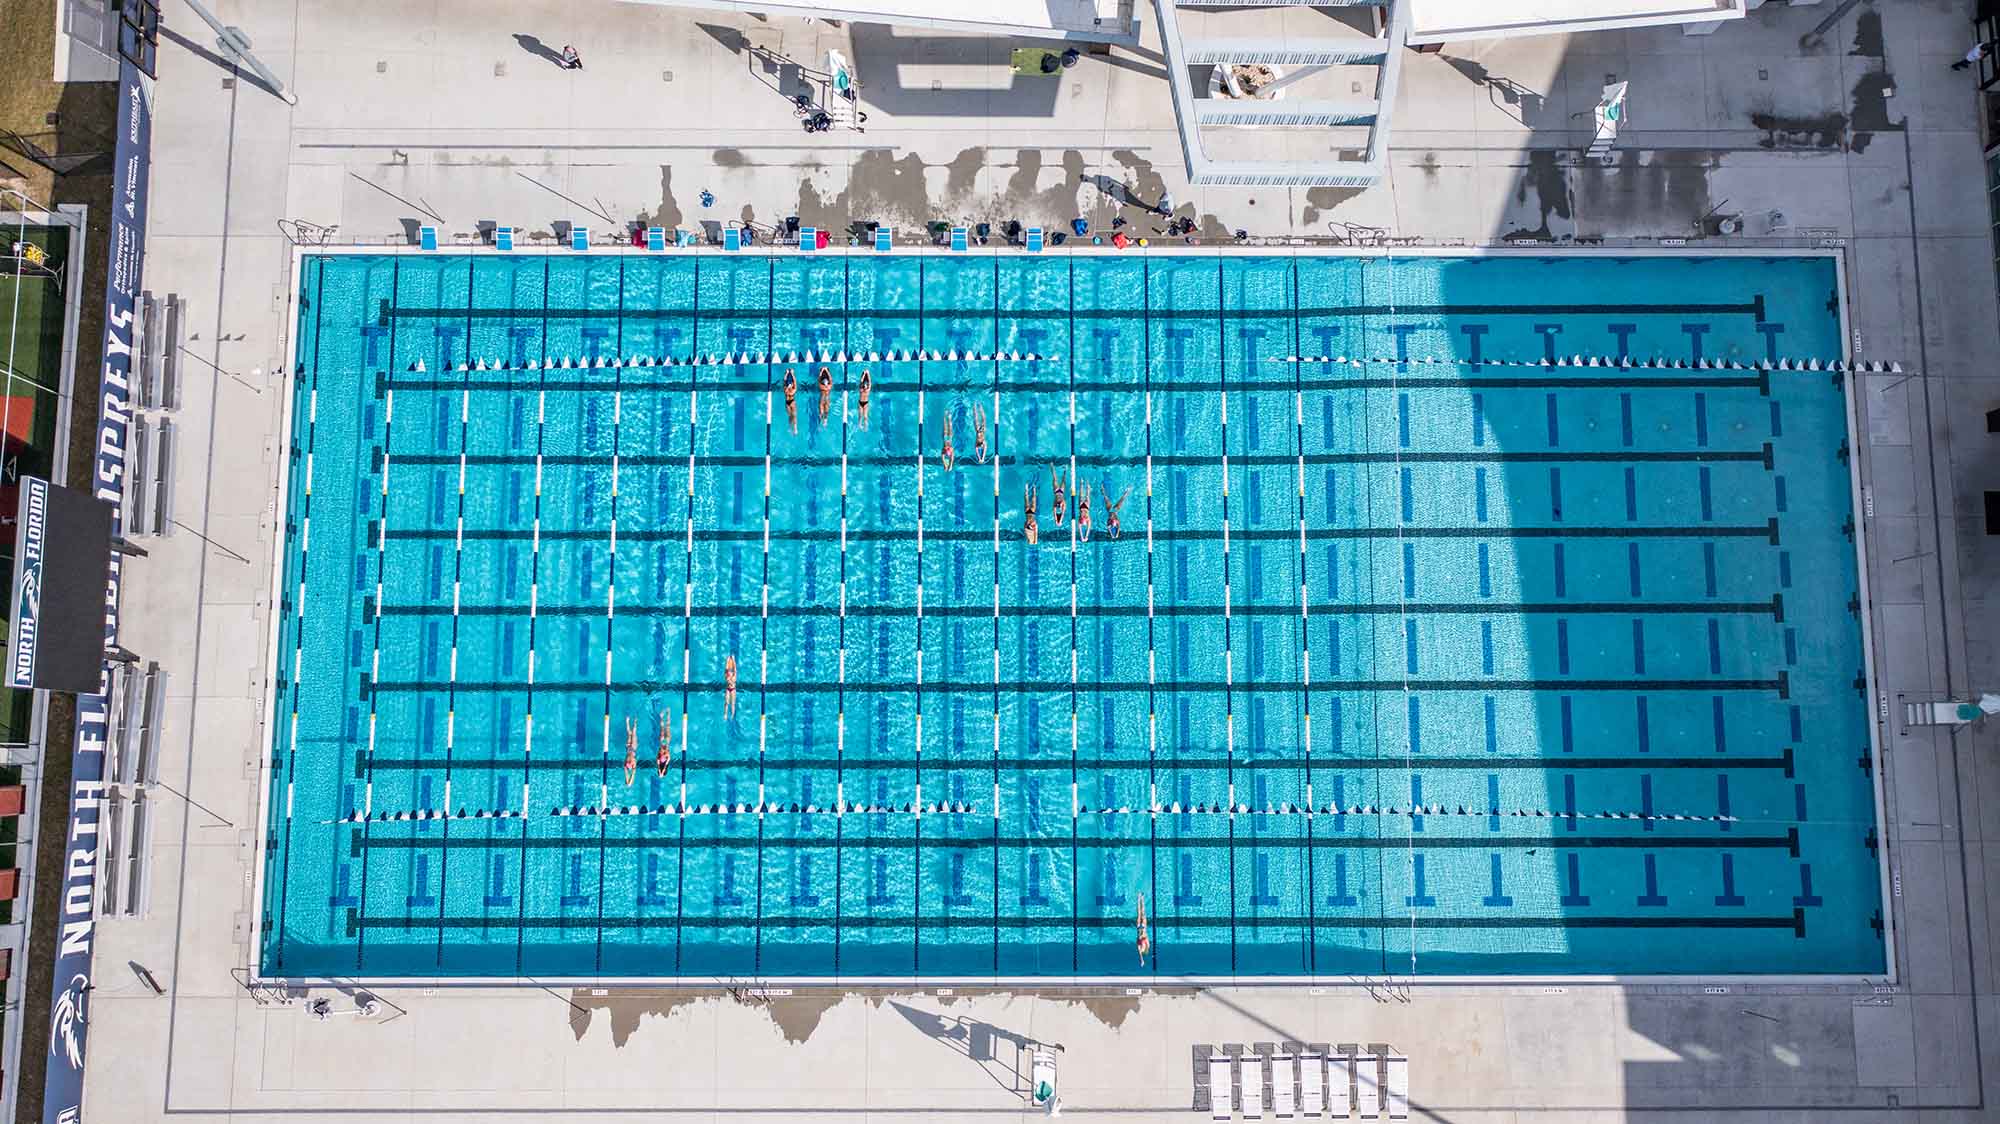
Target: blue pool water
[[1573, 685]]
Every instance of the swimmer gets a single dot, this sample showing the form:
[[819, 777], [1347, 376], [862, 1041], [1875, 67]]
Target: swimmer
[[1111, 509], [867, 385], [1028, 527], [1083, 514], [631, 749], [946, 458], [1145, 938], [665, 757], [792, 399], [825, 393], [729, 686], [1057, 505], [979, 433]]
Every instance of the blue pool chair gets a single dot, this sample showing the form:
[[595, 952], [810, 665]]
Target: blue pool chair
[[503, 237], [656, 238], [1034, 239], [732, 239], [884, 238], [958, 240], [427, 238], [579, 238]]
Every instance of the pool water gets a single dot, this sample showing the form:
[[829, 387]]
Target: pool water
[[1448, 661]]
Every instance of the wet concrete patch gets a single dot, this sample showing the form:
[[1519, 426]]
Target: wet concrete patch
[[730, 158], [1871, 109], [625, 1009], [1546, 178], [669, 214], [1112, 1011], [798, 1015], [1868, 34], [1649, 193], [1320, 200], [962, 174], [1825, 130], [881, 187]]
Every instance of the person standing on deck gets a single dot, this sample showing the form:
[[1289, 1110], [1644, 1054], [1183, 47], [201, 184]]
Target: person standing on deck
[[1978, 51]]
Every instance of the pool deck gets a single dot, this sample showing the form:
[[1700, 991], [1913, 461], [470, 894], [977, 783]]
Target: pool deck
[[446, 118]]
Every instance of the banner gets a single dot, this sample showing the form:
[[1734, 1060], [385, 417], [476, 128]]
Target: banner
[[62, 560], [69, 999], [31, 533]]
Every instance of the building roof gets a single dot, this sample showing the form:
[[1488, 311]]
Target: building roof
[[1440, 21]]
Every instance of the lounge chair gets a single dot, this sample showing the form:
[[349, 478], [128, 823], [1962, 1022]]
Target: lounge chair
[[1340, 1084], [1397, 1083], [1284, 1083], [1256, 1071], [1312, 1083], [1368, 1084], [1221, 1089]]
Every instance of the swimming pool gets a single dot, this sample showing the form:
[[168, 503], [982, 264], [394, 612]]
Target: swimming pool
[[1457, 659]]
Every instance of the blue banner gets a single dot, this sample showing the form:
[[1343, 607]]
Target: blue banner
[[69, 1000]]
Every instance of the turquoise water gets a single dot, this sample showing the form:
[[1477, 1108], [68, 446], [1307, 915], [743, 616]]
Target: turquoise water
[[1572, 688]]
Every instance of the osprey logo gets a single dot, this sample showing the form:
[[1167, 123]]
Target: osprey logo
[[63, 1023]]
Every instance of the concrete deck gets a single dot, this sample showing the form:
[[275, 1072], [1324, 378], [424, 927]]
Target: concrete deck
[[448, 115]]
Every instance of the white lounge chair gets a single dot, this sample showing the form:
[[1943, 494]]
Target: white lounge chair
[[1284, 1085], [1312, 1084], [1254, 1069], [1397, 1083], [1340, 1085], [1368, 1085], [1221, 1089]]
